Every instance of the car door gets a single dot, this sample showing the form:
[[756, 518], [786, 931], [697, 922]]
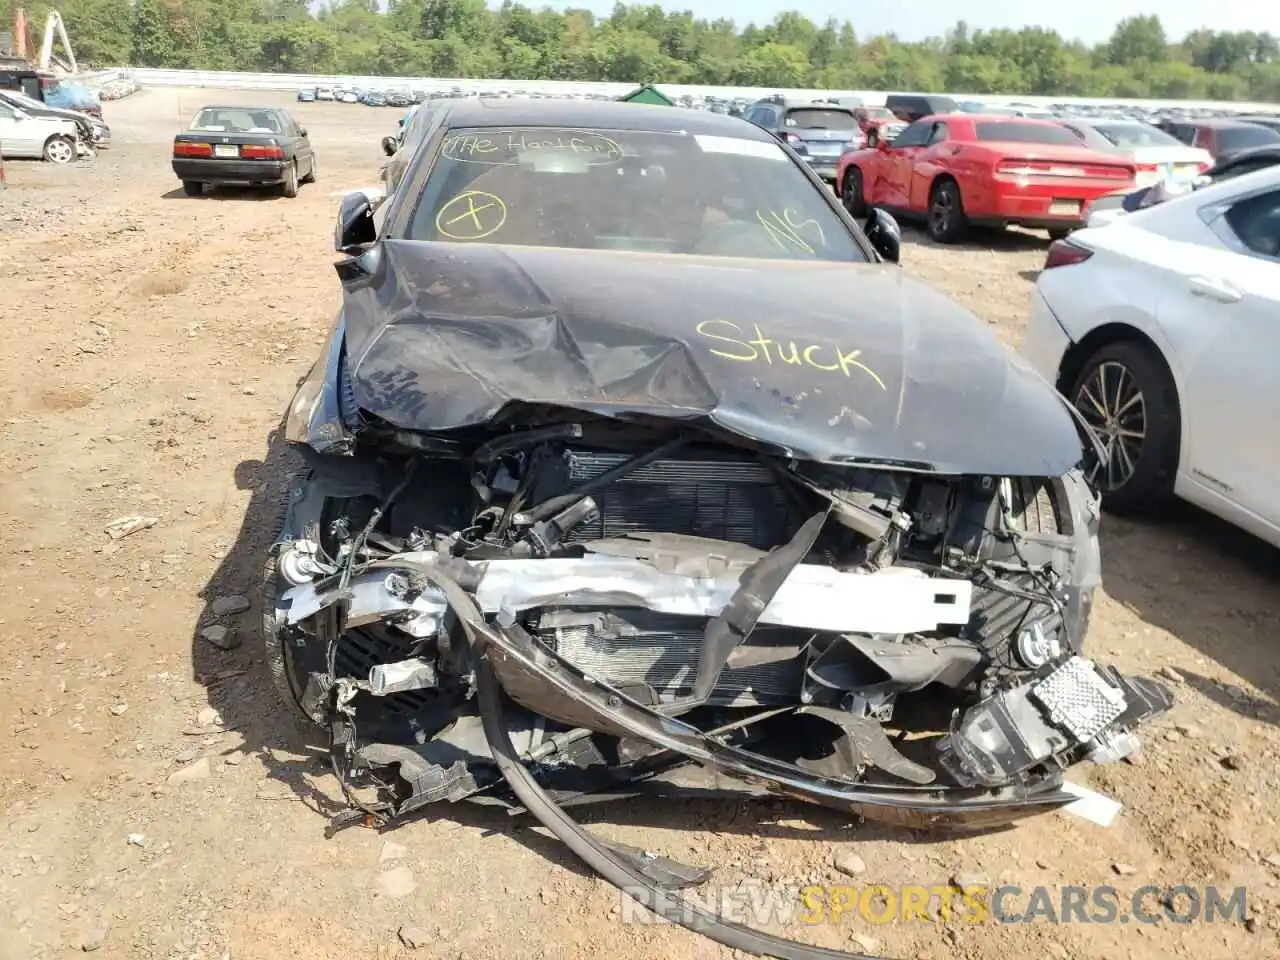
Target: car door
[[897, 165], [301, 145], [8, 131], [1226, 317], [27, 134], [929, 161]]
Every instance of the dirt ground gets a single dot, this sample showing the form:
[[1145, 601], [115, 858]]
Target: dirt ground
[[151, 343]]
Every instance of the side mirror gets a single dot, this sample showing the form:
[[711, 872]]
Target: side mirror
[[390, 145], [303, 131], [882, 144], [355, 229], [884, 234]]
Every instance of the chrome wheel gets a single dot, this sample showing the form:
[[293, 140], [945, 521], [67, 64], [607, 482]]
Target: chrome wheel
[[1112, 403], [60, 150]]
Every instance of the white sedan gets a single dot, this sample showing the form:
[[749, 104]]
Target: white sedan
[[24, 134], [1157, 156], [1162, 329]]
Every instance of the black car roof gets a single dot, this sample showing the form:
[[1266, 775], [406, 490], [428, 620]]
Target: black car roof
[[1268, 151], [905, 99], [598, 114]]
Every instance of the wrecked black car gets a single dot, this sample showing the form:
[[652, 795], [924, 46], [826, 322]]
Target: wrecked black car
[[628, 453]]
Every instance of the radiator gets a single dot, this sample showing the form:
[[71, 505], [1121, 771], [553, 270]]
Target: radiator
[[633, 647], [720, 497]]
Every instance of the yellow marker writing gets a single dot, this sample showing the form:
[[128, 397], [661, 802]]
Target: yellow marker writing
[[765, 349], [472, 215], [784, 229]]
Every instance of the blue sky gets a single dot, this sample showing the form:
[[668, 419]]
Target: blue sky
[[1088, 20]]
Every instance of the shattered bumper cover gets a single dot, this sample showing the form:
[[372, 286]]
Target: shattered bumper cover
[[1070, 700], [1071, 709]]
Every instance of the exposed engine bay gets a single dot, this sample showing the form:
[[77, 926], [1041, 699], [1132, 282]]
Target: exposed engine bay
[[556, 542], [891, 634]]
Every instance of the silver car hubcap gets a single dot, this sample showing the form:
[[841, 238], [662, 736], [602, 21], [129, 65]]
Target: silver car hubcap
[[60, 151], [1116, 411]]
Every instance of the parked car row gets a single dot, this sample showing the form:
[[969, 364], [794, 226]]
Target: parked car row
[[406, 98], [33, 130], [955, 164], [91, 133], [118, 88], [1154, 311]]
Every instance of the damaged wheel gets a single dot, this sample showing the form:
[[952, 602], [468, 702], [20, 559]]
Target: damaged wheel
[[288, 676], [284, 658]]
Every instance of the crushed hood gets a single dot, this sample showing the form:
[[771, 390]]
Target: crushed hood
[[831, 362]]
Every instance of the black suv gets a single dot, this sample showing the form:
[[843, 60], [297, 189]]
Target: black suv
[[819, 132]]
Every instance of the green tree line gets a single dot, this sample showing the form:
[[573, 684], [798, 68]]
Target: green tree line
[[644, 43]]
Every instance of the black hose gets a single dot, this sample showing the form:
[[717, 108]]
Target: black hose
[[526, 438], [556, 504]]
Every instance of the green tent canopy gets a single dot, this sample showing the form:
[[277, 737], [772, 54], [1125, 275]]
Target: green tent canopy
[[648, 93]]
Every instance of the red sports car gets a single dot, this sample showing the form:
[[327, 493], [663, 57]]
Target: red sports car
[[956, 169]]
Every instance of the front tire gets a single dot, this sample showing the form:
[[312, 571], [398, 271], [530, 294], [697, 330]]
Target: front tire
[[947, 222], [1127, 395], [851, 193], [59, 150], [288, 675], [285, 660], [311, 172]]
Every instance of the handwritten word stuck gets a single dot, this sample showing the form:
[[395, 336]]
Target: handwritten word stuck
[[503, 147], [827, 357]]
